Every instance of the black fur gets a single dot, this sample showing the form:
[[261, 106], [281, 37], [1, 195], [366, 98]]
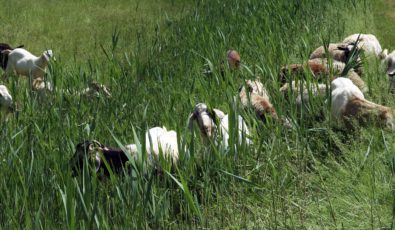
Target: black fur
[[4, 57]]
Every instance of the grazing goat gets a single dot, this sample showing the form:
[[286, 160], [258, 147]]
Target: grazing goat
[[24, 63], [4, 57], [94, 151], [348, 102], [5, 100], [207, 121], [366, 42], [157, 140], [319, 68]]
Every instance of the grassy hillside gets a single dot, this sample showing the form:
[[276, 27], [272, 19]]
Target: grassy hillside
[[152, 56]]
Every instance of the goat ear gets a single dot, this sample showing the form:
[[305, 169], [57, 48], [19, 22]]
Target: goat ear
[[191, 118], [213, 115], [97, 161], [240, 88], [383, 55]]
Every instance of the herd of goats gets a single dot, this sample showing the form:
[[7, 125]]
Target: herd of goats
[[340, 63]]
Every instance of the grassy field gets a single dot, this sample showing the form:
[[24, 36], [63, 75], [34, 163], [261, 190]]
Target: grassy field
[[152, 54]]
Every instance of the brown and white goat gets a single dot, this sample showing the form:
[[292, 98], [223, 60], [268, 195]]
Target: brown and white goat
[[349, 103], [258, 99]]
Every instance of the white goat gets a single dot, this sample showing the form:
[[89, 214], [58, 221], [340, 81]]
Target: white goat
[[367, 42], [158, 139], [5, 100], [349, 102], [206, 121], [24, 63]]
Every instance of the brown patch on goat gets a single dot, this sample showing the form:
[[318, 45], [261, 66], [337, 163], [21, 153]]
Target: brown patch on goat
[[364, 111], [290, 71], [263, 107]]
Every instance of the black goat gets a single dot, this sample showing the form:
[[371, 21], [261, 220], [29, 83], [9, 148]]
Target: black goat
[[95, 152]]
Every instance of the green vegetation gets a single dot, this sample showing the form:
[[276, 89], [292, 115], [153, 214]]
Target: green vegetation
[[152, 56], [384, 15]]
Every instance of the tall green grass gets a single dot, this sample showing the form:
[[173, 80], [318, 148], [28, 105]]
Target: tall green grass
[[152, 56]]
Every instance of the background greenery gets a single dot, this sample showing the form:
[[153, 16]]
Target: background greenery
[[152, 55]]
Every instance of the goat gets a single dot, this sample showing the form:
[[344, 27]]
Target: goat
[[157, 139], [4, 57], [319, 68], [207, 121], [257, 98], [94, 151], [24, 63], [348, 102], [205, 118]]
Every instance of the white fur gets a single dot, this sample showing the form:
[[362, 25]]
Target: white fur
[[313, 90], [5, 99], [24, 63], [333, 50], [158, 139], [255, 87], [342, 90], [208, 127], [205, 122], [367, 43], [243, 131]]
